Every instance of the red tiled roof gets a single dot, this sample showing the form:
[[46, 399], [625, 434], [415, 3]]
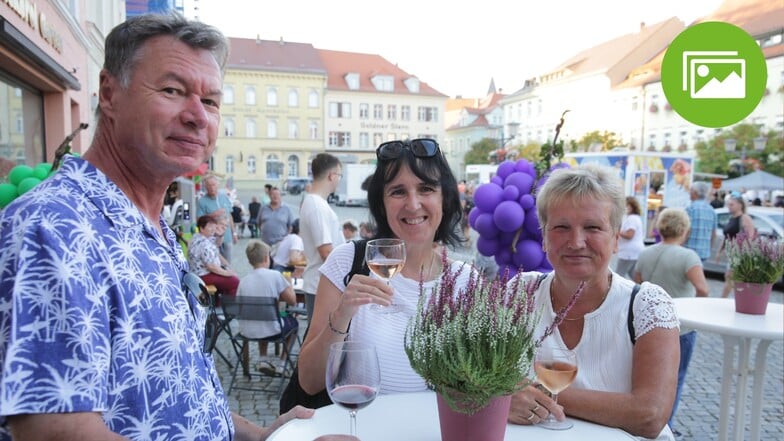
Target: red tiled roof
[[283, 56], [339, 63]]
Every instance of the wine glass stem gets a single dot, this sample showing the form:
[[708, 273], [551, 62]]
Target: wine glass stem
[[353, 424], [550, 417]]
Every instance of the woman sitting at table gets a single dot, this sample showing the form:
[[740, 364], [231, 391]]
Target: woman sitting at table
[[205, 259], [619, 383], [412, 196]]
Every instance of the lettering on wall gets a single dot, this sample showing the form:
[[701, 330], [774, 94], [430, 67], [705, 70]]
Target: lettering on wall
[[28, 12]]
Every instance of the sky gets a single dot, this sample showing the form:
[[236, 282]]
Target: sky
[[455, 46]]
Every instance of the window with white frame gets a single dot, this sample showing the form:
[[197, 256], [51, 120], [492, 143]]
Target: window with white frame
[[684, 138], [229, 164], [428, 114], [272, 96], [272, 128], [251, 165], [250, 128], [293, 166], [313, 98], [528, 108], [228, 95], [378, 111], [405, 113], [293, 129], [364, 111], [652, 140], [274, 167], [339, 109], [340, 139], [250, 96], [228, 126], [378, 138], [293, 98], [313, 129], [364, 140], [391, 112], [635, 103]]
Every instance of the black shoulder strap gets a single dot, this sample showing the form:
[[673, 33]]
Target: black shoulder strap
[[358, 266], [635, 290]]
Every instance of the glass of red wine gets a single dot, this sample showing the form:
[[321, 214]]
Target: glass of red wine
[[385, 258], [556, 369], [353, 378]]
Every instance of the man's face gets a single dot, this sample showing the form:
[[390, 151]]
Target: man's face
[[166, 120], [211, 187], [274, 197], [336, 176]]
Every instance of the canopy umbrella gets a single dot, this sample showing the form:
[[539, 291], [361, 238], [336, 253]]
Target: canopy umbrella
[[757, 180]]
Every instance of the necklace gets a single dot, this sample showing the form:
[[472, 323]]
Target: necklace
[[609, 286]]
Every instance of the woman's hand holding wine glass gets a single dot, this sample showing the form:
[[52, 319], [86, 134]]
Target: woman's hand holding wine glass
[[555, 369], [353, 378], [385, 258]]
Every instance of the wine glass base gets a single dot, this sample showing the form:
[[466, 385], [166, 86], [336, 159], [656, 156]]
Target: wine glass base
[[555, 425], [391, 309]]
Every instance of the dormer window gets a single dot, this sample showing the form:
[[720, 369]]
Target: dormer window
[[412, 84], [384, 83], [352, 80]]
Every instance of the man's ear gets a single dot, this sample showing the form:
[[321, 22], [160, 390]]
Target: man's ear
[[108, 86]]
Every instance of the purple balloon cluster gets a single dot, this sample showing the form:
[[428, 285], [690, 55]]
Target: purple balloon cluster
[[504, 215]]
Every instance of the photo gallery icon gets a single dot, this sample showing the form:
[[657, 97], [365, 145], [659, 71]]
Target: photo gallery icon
[[714, 75]]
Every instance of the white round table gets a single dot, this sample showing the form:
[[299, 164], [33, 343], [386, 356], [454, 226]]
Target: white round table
[[414, 417], [736, 330]]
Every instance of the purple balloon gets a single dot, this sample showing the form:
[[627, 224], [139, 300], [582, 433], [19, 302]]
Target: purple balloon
[[505, 169], [531, 222], [508, 216], [520, 165], [472, 215], [527, 201], [487, 197], [523, 182], [485, 226], [503, 256], [506, 237], [511, 193], [529, 254], [497, 180], [487, 247], [529, 169]]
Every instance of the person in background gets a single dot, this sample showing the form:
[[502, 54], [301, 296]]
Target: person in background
[[319, 225], [253, 217], [620, 382], [717, 202], [703, 220], [291, 251], [739, 222], [264, 282], [367, 230], [238, 217], [109, 344], [275, 220], [218, 205], [350, 230], [632, 239], [265, 198], [412, 196], [678, 270], [206, 261]]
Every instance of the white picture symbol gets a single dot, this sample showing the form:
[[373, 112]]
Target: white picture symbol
[[714, 74]]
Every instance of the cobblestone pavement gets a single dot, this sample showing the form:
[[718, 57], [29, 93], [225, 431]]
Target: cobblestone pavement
[[698, 414]]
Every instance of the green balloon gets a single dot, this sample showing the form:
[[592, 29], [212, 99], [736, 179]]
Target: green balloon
[[7, 194], [27, 184], [19, 173], [41, 172]]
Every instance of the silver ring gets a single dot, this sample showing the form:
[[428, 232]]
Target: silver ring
[[535, 408], [530, 418]]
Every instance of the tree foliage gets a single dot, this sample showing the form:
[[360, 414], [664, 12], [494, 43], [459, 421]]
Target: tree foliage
[[712, 157], [480, 151], [608, 140]]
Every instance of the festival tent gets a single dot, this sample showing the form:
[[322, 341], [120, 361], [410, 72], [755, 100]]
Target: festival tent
[[758, 180]]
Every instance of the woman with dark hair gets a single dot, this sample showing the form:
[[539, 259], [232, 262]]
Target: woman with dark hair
[[413, 196], [739, 222], [632, 238]]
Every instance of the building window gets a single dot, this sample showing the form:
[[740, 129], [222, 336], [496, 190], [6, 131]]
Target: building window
[[364, 111], [313, 99], [250, 96], [428, 114], [313, 129], [378, 138], [274, 167], [364, 140], [378, 111], [339, 110], [340, 139], [228, 95], [293, 166], [228, 127], [293, 98], [293, 129], [229, 164], [250, 128], [405, 113], [635, 104], [272, 96], [272, 128], [391, 112], [251, 165], [528, 108]]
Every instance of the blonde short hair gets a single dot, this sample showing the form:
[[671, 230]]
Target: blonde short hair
[[673, 223], [257, 252]]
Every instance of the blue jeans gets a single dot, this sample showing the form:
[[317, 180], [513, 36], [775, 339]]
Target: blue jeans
[[688, 341]]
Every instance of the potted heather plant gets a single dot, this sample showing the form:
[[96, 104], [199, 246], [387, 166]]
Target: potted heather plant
[[756, 262], [474, 346]]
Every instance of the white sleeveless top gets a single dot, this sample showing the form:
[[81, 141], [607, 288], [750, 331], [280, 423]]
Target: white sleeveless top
[[385, 331]]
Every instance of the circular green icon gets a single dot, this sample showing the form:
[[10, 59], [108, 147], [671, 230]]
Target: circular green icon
[[714, 74]]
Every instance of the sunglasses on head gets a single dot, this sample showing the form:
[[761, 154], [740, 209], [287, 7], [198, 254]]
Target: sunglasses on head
[[420, 148]]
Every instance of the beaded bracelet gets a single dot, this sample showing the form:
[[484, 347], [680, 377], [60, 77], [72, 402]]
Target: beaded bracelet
[[332, 328]]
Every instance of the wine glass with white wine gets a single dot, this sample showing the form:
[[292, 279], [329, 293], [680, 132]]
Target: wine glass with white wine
[[556, 369], [385, 258]]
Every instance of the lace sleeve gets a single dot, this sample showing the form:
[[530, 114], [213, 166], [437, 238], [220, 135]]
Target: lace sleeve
[[653, 308]]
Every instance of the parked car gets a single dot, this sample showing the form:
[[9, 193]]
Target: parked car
[[769, 222], [295, 185]]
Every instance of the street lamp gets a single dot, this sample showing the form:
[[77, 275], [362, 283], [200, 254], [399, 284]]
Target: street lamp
[[730, 145]]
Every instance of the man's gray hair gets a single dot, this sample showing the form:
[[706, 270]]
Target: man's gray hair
[[701, 189]]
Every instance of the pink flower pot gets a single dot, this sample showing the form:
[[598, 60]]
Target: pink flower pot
[[752, 298], [487, 424]]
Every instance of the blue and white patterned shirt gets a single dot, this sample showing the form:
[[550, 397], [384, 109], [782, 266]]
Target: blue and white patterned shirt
[[703, 224], [93, 317]]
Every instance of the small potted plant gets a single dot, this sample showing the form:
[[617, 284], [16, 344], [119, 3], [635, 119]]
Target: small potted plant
[[474, 346], [756, 263]]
